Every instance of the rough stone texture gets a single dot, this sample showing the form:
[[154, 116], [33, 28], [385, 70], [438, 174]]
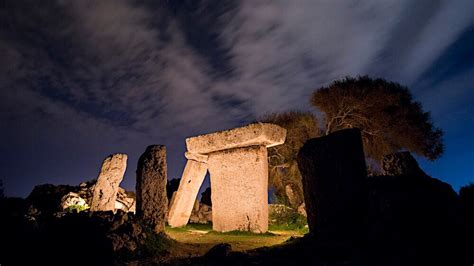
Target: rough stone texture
[[302, 210], [183, 202], [254, 134], [334, 172], [401, 163], [125, 201], [239, 180], [72, 199], [202, 214], [152, 201], [106, 187]]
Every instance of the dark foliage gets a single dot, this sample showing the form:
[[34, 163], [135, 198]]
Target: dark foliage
[[171, 186], [389, 118], [47, 198], [206, 197], [284, 176]]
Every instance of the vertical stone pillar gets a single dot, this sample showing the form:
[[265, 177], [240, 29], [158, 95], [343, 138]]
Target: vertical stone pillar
[[152, 201], [334, 172], [239, 183], [108, 181], [183, 201]]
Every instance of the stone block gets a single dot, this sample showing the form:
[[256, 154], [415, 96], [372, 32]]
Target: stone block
[[254, 134], [106, 188], [183, 201], [239, 180], [152, 201]]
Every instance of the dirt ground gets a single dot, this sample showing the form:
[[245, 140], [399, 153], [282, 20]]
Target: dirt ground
[[198, 239]]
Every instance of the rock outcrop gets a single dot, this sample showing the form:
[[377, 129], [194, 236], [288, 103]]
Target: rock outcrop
[[334, 172], [201, 214], [152, 200], [71, 200], [106, 188], [414, 219]]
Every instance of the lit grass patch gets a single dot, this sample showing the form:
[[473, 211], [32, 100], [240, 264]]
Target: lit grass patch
[[242, 233]]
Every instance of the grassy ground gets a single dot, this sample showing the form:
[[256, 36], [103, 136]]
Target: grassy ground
[[201, 237]]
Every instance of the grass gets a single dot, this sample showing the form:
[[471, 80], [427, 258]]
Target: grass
[[202, 238]]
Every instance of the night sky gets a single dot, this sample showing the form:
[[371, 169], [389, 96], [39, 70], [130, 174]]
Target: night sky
[[80, 80]]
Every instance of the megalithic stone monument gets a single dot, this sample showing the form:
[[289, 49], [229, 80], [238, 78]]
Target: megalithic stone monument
[[108, 181], [238, 167]]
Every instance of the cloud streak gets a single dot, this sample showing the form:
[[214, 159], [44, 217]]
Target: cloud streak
[[88, 78]]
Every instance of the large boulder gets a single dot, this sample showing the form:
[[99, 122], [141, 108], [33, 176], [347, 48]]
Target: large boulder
[[414, 219], [334, 171], [152, 200], [73, 200], [108, 181], [201, 214]]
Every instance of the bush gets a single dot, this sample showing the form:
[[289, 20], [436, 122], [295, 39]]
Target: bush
[[282, 217], [76, 208]]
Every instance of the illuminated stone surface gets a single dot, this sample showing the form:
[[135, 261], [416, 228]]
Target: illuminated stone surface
[[183, 201], [152, 201], [238, 166], [254, 134], [239, 180], [106, 187]]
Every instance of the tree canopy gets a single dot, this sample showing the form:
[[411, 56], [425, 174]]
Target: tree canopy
[[284, 176], [385, 112]]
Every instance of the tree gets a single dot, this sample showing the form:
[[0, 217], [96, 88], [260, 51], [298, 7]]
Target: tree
[[284, 176], [385, 112]]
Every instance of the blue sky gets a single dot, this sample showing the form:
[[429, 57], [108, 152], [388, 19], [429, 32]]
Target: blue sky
[[80, 80]]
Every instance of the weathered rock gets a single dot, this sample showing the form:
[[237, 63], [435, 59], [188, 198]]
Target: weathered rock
[[183, 202], [302, 210], [239, 179], [401, 163], [414, 220], [219, 251], [125, 201], [334, 172], [152, 201], [254, 134], [108, 181], [202, 214], [73, 199]]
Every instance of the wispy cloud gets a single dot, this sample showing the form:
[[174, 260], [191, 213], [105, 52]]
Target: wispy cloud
[[102, 76]]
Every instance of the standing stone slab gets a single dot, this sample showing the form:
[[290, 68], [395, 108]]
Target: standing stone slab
[[239, 180], [106, 187], [334, 171], [152, 201], [183, 201]]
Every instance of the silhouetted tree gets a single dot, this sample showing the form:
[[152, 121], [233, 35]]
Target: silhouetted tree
[[385, 112], [206, 197], [284, 176]]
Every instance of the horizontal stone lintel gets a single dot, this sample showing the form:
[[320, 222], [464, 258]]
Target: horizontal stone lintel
[[265, 134]]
